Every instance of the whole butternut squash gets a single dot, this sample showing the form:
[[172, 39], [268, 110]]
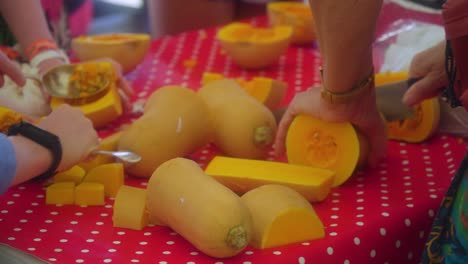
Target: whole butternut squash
[[203, 211], [175, 123], [244, 127]]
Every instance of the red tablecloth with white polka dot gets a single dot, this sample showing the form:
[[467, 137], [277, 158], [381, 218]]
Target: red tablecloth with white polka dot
[[380, 215]]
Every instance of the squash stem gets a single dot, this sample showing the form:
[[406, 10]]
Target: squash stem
[[263, 136], [237, 237]]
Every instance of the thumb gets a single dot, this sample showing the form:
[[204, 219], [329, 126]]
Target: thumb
[[425, 88]]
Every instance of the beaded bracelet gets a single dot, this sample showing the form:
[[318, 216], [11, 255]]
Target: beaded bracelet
[[39, 46]]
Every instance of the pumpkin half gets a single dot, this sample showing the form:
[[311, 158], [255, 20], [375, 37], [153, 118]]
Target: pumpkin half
[[335, 146], [128, 49], [419, 127], [254, 47], [296, 15]]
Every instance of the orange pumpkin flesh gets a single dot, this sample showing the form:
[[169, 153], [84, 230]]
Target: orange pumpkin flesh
[[335, 146]]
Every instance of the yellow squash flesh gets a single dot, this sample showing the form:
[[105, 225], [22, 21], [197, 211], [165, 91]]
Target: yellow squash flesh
[[281, 216], [338, 147], [252, 47], [296, 15], [8, 117], [128, 49]]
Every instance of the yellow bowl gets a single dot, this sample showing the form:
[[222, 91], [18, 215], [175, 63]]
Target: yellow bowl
[[128, 49]]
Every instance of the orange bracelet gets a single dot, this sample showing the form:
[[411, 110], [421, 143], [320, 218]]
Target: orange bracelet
[[38, 46], [10, 52]]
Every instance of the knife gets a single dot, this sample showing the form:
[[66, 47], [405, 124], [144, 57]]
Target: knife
[[390, 99]]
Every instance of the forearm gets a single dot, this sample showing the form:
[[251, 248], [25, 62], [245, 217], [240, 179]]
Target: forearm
[[26, 20], [345, 31], [31, 159]]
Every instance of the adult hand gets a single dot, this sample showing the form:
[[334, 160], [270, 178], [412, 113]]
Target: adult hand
[[362, 114], [76, 133], [11, 69], [429, 65]]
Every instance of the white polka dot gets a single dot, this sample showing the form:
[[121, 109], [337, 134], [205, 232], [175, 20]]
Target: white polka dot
[[407, 222], [249, 252], [360, 223], [383, 232], [166, 252], [85, 251], [107, 260], [398, 244], [116, 242], [139, 252], [277, 253], [306, 243], [410, 255], [143, 243], [170, 242], [120, 233], [357, 241], [58, 250], [11, 238], [301, 260], [333, 234], [385, 214], [63, 240], [373, 253], [37, 239], [421, 234], [90, 240], [330, 251], [194, 253], [135, 261], [32, 249], [346, 261], [112, 250], [79, 261]]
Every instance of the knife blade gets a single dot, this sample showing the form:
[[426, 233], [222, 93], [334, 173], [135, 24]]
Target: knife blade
[[390, 100]]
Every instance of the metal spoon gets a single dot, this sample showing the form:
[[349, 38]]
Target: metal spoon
[[57, 82], [125, 156]]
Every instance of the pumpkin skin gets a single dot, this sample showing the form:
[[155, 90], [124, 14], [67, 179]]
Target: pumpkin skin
[[8, 117], [422, 125], [206, 213], [254, 48], [175, 123], [335, 146], [298, 16], [244, 127], [128, 49]]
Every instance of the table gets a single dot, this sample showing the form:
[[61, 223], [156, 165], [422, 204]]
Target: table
[[380, 215]]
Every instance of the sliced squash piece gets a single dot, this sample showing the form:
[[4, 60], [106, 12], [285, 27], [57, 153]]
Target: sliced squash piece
[[281, 216], [109, 143], [75, 174], [296, 15], [419, 127], [128, 49], [243, 175], [89, 193], [111, 175], [130, 208], [335, 146], [254, 47], [60, 193]]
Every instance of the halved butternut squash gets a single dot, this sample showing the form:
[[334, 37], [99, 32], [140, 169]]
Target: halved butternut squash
[[295, 14], [419, 127], [335, 146], [254, 47], [128, 49]]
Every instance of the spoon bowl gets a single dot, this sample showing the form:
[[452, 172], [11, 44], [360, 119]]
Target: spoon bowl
[[127, 157]]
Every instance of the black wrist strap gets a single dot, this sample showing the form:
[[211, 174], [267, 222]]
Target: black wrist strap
[[43, 138]]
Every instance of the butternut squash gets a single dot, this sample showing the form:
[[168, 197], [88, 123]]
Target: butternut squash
[[419, 127], [111, 175], [243, 175], [244, 128], [254, 47], [281, 216], [89, 193], [295, 14], [109, 143], [203, 211], [335, 146], [268, 91], [175, 123]]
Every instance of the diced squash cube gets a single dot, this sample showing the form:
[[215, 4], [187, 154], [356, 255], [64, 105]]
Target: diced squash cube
[[281, 216], [60, 193], [89, 193], [74, 174], [130, 208], [242, 175], [111, 175]]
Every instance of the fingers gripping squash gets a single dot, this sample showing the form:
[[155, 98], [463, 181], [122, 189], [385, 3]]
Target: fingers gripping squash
[[244, 127], [335, 146], [209, 215], [175, 123]]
